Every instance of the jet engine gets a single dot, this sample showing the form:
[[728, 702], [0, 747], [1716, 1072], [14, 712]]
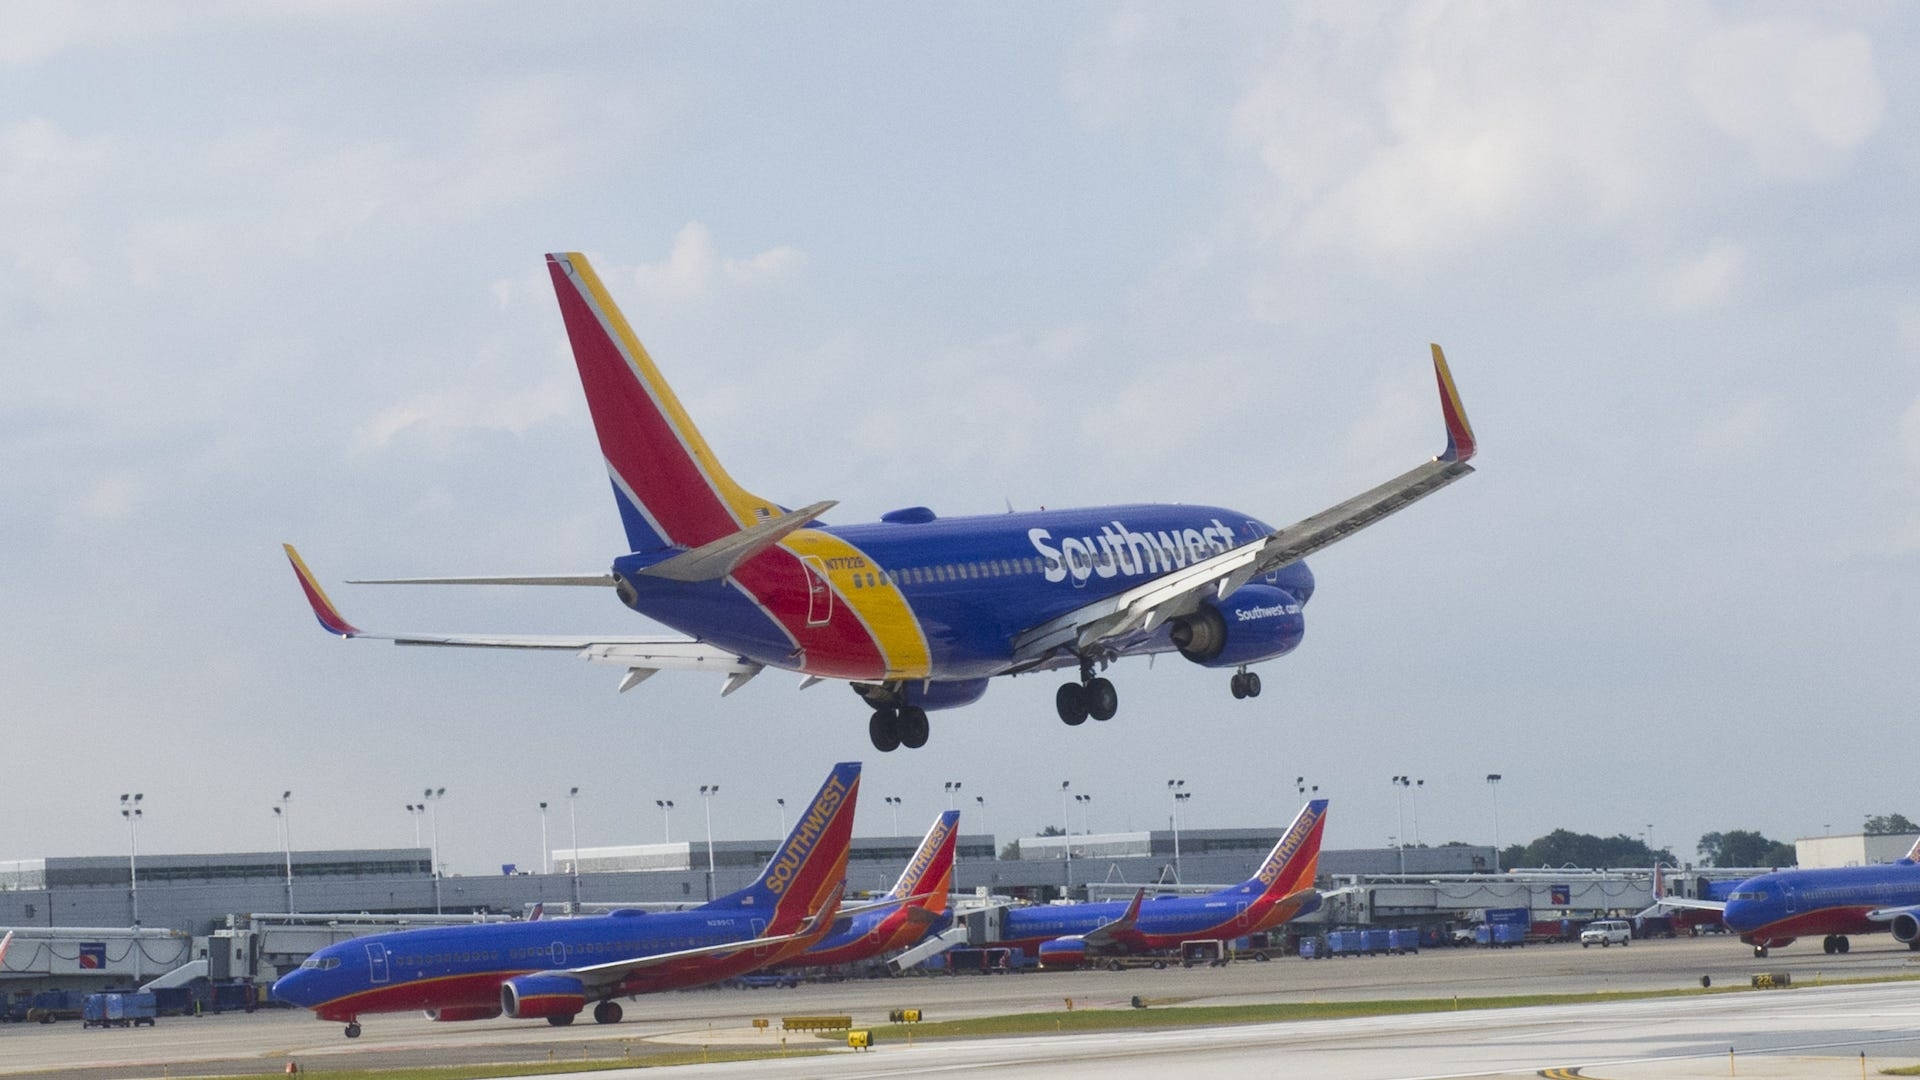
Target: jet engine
[[1254, 623], [525, 997], [1065, 952], [1906, 928], [464, 1012]]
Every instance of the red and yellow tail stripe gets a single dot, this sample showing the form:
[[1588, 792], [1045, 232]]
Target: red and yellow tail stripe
[[323, 609], [1460, 443]]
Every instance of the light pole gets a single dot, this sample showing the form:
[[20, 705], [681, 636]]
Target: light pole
[[1175, 788], [130, 809], [1084, 801], [432, 799], [1418, 787], [981, 802], [707, 792], [1066, 830], [953, 789], [1493, 785], [1300, 785], [546, 853], [893, 807], [573, 825], [283, 813], [414, 810], [666, 819], [781, 805]]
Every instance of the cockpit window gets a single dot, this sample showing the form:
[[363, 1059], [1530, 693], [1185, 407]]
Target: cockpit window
[[1748, 894]]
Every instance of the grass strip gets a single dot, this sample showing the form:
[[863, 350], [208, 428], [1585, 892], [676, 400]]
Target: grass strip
[[536, 1068]]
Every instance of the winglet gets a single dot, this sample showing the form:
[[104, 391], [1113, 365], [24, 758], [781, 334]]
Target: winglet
[[323, 609], [1460, 444]]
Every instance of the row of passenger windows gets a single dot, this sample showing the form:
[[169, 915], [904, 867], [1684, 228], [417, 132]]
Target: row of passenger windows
[[970, 571]]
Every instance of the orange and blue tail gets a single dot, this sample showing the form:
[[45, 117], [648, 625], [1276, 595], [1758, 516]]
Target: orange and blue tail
[[930, 872], [810, 865], [1294, 862], [671, 490]]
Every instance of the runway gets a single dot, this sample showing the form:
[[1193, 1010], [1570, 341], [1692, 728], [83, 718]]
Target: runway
[[1483, 1042]]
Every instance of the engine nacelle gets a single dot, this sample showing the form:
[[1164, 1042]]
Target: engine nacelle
[[945, 695], [1254, 623], [1905, 928], [464, 1012], [527, 997], [1066, 952]]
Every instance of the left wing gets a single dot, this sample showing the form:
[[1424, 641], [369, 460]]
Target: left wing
[[601, 976], [1180, 592], [642, 656], [1888, 914]]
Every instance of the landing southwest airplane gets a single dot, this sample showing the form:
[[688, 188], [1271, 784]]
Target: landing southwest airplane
[[916, 612], [554, 968], [1772, 910], [915, 907], [1070, 935]]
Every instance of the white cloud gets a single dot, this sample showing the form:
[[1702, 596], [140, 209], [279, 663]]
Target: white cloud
[[473, 403], [1707, 280], [694, 265], [1798, 97], [1907, 437]]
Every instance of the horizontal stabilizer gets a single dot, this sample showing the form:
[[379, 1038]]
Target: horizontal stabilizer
[[715, 560], [603, 580]]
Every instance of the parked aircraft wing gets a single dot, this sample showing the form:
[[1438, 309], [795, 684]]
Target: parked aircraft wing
[[1888, 914], [605, 580], [1102, 936], [1181, 591], [1692, 904], [640, 655], [611, 973]]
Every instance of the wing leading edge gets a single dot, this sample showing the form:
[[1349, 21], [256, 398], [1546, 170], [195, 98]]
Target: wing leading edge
[[1181, 591]]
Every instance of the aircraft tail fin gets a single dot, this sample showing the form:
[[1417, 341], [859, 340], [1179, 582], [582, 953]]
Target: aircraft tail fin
[[930, 872], [4, 942], [1294, 862], [671, 490], [1913, 853], [808, 867]]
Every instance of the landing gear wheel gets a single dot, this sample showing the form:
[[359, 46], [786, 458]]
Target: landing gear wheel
[[1759, 952], [1071, 703], [560, 1019], [1914, 945], [911, 727], [884, 731], [353, 1030], [607, 1012], [1826, 945], [1159, 965], [1840, 944], [1102, 699], [1115, 965], [1238, 684], [1251, 680]]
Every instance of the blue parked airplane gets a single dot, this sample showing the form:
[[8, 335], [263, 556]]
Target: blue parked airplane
[[554, 968], [1772, 910], [1070, 935], [916, 612]]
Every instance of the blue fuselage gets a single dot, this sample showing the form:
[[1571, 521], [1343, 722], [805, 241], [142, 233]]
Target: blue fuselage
[[1786, 904]]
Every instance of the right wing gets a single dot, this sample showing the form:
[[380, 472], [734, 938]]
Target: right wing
[[642, 656], [1180, 592]]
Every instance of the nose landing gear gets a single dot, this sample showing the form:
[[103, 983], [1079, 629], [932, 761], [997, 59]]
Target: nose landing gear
[[353, 1029]]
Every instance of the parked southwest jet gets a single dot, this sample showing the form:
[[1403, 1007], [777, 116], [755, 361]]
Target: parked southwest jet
[[554, 968], [1772, 910], [915, 907], [915, 612], [1068, 935]]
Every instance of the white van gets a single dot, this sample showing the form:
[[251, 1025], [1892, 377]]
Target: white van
[[1605, 932]]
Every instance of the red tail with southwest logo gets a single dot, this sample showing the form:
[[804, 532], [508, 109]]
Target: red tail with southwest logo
[[670, 488], [808, 868], [1294, 862], [930, 874]]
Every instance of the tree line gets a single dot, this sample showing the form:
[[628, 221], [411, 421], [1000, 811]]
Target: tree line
[[1735, 847]]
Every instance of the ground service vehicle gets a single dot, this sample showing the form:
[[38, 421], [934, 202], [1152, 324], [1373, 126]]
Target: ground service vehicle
[[1606, 932]]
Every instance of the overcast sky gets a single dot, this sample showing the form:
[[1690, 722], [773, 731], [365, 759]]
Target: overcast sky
[[273, 272]]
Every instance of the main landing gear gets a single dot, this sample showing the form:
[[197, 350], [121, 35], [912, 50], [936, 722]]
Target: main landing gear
[[607, 1012], [353, 1029], [560, 1019], [1091, 696], [1834, 943], [891, 728], [1244, 684]]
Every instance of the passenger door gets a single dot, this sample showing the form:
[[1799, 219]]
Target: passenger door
[[377, 964], [819, 593]]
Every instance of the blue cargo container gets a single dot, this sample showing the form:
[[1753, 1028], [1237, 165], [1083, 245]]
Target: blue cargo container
[[1308, 949], [1345, 943], [1374, 942], [1514, 916], [1404, 939], [118, 1009]]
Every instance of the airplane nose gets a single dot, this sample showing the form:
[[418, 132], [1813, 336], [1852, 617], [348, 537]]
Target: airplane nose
[[1736, 915], [296, 987]]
